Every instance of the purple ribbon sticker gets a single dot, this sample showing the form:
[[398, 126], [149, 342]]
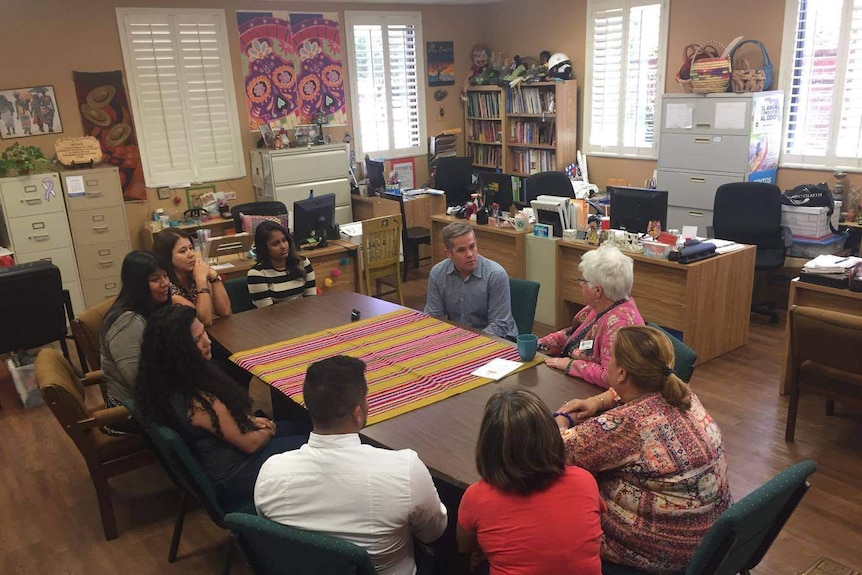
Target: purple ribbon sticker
[[48, 184]]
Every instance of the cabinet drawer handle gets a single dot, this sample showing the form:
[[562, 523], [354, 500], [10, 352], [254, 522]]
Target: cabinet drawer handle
[[40, 237], [32, 201], [701, 140], [696, 214], [697, 180], [100, 229], [94, 193], [703, 125], [106, 263]]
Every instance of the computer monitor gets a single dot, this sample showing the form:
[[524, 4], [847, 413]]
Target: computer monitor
[[633, 208], [454, 175], [496, 188], [314, 219], [375, 171]]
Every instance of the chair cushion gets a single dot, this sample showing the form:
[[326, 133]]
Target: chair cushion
[[110, 447], [250, 223], [830, 381], [417, 233]]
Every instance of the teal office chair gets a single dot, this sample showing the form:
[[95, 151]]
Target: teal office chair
[[684, 357], [741, 536], [524, 295], [274, 549], [237, 292]]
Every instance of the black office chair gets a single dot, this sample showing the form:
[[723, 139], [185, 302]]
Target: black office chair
[[269, 208], [548, 184], [454, 176], [411, 238], [375, 171], [750, 213]]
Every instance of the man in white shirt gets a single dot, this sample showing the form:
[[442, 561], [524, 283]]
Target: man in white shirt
[[376, 498]]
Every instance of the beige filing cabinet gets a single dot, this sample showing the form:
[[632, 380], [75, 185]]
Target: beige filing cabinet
[[34, 226], [288, 174], [97, 218]]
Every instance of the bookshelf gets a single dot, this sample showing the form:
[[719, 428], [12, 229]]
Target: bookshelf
[[485, 126]]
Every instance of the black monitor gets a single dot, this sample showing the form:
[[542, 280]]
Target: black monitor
[[454, 175], [496, 187], [633, 208], [314, 219], [375, 171]]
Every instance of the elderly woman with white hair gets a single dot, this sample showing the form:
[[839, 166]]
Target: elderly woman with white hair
[[584, 350]]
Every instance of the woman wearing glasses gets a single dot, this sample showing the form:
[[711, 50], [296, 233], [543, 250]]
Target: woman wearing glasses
[[584, 349]]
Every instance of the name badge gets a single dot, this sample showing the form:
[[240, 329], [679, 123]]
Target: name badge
[[586, 345]]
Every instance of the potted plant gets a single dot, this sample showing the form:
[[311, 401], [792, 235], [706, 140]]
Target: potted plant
[[21, 159]]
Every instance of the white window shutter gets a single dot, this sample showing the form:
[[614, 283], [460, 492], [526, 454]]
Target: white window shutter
[[182, 96]]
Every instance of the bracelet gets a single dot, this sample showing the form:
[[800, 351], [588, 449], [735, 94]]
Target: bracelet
[[601, 402], [568, 366], [202, 290], [567, 416]]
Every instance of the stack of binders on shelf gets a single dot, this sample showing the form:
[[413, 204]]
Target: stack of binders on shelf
[[441, 146], [829, 270]]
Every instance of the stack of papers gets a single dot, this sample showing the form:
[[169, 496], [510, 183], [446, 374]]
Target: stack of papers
[[829, 264], [725, 246], [497, 369]]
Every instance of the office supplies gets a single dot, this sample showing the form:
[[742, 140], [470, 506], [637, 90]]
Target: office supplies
[[696, 252]]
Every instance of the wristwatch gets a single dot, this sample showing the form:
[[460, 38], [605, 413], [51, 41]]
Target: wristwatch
[[217, 278]]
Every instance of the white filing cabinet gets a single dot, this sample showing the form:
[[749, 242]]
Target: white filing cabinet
[[712, 139], [97, 219], [34, 226], [289, 174]]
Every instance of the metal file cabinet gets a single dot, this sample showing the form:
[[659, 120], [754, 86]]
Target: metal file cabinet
[[712, 139]]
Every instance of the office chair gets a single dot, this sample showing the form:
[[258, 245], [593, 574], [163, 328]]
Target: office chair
[[375, 172], [270, 208], [524, 295], [411, 237], [750, 213], [549, 184], [455, 177]]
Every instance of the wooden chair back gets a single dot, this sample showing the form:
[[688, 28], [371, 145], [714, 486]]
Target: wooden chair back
[[86, 329], [381, 249]]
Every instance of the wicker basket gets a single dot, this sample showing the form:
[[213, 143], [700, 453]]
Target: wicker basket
[[683, 77], [709, 75], [765, 72], [747, 79]]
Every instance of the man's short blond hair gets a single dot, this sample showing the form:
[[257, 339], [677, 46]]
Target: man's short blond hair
[[455, 230]]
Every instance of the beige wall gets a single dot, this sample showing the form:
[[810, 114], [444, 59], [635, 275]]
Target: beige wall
[[45, 40]]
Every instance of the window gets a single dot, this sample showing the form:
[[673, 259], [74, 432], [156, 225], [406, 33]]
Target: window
[[182, 94], [821, 64], [626, 47], [387, 73]]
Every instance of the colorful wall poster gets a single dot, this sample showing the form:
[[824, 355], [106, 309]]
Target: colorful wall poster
[[441, 63], [28, 112]]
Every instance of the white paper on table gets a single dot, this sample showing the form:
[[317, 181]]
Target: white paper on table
[[729, 248], [75, 186], [497, 369], [689, 232], [678, 116], [729, 115]]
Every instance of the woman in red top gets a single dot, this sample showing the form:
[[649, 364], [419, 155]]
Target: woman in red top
[[530, 514]]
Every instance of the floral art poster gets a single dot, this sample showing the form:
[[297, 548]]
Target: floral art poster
[[441, 63], [28, 112], [292, 68]]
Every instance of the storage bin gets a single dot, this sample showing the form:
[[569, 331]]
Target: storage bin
[[813, 248], [656, 250], [809, 223], [25, 383]]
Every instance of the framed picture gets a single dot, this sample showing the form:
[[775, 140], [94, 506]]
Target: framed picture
[[404, 168], [28, 112], [441, 63], [305, 134], [542, 230], [194, 195], [268, 135]]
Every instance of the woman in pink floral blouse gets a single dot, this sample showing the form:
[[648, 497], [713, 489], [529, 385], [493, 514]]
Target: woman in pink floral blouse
[[656, 453], [584, 350]]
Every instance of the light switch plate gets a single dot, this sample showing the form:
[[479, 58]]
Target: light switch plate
[[164, 193]]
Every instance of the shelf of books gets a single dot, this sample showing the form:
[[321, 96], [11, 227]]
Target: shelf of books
[[485, 126], [542, 127]]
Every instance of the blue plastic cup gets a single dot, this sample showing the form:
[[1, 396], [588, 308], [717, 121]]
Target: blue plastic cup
[[527, 344]]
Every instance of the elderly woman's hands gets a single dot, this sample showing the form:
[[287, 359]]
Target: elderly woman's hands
[[560, 363]]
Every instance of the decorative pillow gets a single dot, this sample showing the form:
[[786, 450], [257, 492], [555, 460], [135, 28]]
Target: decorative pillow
[[250, 223]]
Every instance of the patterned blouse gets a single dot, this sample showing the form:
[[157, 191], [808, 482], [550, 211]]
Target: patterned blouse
[[591, 364], [663, 475], [182, 291]]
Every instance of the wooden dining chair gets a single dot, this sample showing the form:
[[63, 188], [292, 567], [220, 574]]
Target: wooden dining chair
[[381, 250], [411, 237], [86, 329], [824, 360]]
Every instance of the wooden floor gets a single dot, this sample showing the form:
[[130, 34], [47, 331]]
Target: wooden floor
[[49, 520]]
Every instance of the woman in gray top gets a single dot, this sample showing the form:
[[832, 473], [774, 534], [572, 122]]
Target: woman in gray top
[[145, 287]]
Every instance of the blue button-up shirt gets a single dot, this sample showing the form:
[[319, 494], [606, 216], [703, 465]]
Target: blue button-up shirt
[[481, 301]]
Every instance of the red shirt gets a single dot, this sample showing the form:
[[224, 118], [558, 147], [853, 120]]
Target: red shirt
[[554, 531]]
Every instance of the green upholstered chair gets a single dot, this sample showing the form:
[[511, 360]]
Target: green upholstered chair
[[684, 356], [524, 295], [237, 291], [273, 549], [183, 468], [741, 536]]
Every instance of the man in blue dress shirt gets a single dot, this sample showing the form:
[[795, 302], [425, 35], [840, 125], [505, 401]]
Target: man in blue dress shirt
[[469, 289]]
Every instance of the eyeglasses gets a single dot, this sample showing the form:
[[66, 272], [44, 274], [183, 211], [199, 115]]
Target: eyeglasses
[[581, 281]]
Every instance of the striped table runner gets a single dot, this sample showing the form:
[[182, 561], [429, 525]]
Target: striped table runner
[[412, 360]]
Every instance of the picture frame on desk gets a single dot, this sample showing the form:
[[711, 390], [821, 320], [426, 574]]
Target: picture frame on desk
[[542, 230]]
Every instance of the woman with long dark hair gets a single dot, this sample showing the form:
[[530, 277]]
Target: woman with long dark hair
[[180, 388], [280, 273], [192, 279], [530, 514]]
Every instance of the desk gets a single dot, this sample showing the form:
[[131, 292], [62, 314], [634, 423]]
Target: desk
[[417, 209], [709, 301], [506, 246], [444, 434], [813, 295], [323, 260]]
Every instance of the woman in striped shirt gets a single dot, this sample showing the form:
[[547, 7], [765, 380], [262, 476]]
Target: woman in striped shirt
[[280, 273]]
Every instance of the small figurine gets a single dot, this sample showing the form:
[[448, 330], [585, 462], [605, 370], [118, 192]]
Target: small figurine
[[653, 228], [593, 232]]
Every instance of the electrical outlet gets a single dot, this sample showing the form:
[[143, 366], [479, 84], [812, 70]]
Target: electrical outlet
[[230, 195]]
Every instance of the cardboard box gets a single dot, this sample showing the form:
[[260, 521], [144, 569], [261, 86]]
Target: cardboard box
[[24, 378], [809, 223]]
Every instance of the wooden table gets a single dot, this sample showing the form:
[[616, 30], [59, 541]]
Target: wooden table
[[323, 260], [506, 246], [813, 295], [709, 301], [444, 434]]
